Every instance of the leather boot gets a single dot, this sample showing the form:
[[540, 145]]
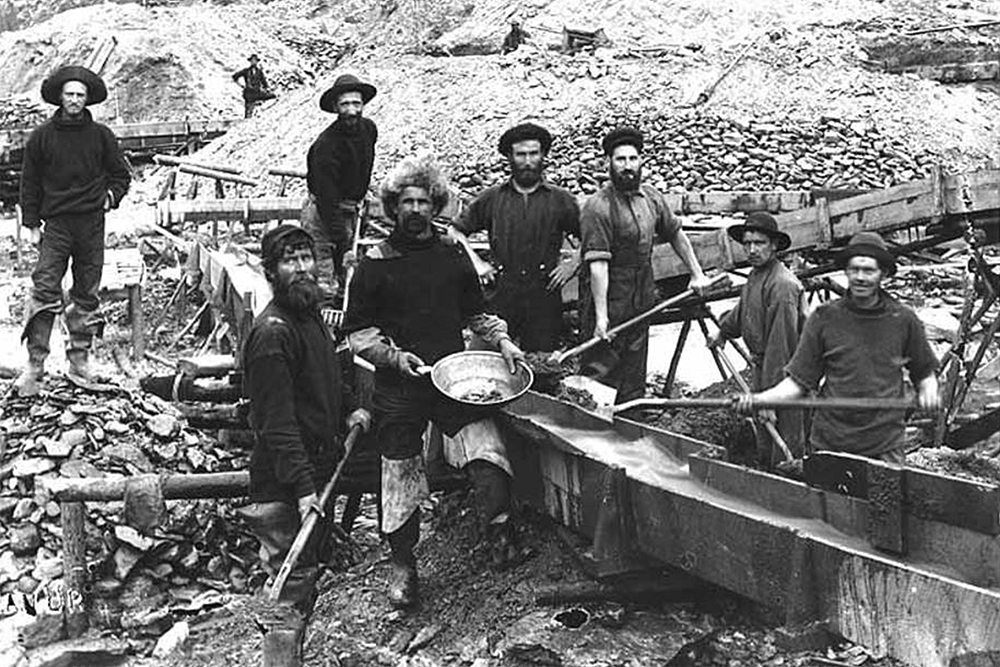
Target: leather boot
[[78, 356], [404, 588], [37, 334]]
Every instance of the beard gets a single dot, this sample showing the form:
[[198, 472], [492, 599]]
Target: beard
[[527, 176], [414, 225], [300, 295], [627, 180]]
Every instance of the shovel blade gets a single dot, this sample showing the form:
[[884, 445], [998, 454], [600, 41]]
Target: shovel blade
[[602, 395]]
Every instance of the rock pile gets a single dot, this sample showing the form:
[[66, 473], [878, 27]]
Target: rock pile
[[139, 580], [693, 151]]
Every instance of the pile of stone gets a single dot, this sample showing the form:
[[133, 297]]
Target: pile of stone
[[21, 112], [139, 580]]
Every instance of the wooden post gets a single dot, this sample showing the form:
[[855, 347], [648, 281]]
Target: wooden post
[[676, 359], [75, 617], [824, 229], [138, 321]]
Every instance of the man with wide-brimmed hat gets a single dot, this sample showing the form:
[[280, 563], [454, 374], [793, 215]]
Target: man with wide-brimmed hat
[[769, 317], [255, 86], [339, 171], [74, 172], [619, 225], [527, 219], [858, 346], [292, 377]]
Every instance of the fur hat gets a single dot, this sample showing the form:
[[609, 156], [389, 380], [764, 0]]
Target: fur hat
[[52, 87], [622, 136]]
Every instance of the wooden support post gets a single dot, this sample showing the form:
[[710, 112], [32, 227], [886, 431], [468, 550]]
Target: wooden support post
[[162, 317], [937, 191], [19, 218], [75, 617], [823, 227], [676, 359], [138, 321], [715, 352], [189, 326]]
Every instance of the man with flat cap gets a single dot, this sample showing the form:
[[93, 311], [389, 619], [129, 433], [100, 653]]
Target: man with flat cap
[[339, 171], [74, 172], [527, 219], [858, 346], [769, 317], [255, 87], [619, 225]]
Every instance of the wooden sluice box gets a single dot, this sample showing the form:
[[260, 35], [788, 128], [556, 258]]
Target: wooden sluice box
[[902, 561]]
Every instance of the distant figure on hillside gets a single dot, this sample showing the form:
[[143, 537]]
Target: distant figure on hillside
[[255, 86], [73, 172], [339, 170], [514, 38]]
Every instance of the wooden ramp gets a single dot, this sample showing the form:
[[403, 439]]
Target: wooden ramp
[[807, 552]]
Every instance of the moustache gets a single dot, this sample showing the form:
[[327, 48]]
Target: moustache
[[414, 223]]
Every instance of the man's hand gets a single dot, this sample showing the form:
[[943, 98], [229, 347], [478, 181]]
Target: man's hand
[[34, 235], [511, 354], [308, 504], [107, 200], [409, 364], [563, 271], [744, 404], [350, 260], [928, 397], [601, 328], [714, 340], [700, 283], [764, 416], [360, 417], [487, 272]]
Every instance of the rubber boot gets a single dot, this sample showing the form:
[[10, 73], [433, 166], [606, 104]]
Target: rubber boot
[[78, 356], [404, 588], [37, 333], [492, 489]]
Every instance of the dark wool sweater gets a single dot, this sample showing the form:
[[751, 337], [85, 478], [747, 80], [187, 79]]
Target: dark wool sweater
[[340, 164], [293, 380], [69, 168]]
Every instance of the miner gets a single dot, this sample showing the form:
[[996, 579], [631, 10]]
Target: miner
[[411, 297], [255, 86], [619, 225], [527, 219], [339, 171], [74, 172], [769, 317], [858, 347], [293, 380]]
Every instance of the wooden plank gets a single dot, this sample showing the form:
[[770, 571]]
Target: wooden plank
[[778, 494], [259, 209], [988, 70], [934, 496], [687, 203], [206, 365], [885, 507]]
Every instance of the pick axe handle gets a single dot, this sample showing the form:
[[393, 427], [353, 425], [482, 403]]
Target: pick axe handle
[[768, 425], [305, 531], [355, 244], [641, 317]]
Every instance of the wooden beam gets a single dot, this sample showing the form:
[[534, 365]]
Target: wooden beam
[[176, 161], [288, 172], [260, 209], [219, 176]]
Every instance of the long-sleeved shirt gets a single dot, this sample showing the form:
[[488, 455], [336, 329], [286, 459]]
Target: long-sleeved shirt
[[293, 380], [769, 317], [340, 164], [253, 77], [72, 166]]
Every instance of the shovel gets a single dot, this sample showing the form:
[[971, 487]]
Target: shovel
[[359, 219]]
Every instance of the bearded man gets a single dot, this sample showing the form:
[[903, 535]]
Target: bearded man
[[526, 218], [411, 297], [293, 381], [619, 225], [74, 172]]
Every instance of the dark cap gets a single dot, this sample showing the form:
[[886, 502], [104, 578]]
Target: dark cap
[[524, 132], [622, 136], [52, 87], [759, 221], [868, 244], [272, 245]]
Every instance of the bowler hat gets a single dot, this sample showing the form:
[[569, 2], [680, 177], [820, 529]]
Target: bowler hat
[[342, 84], [52, 87], [762, 222], [273, 242], [524, 132], [868, 244], [622, 136]]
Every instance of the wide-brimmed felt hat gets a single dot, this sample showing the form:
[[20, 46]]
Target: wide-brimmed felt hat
[[524, 132], [342, 84], [52, 87], [868, 244], [622, 136], [762, 222], [272, 241], [252, 57]]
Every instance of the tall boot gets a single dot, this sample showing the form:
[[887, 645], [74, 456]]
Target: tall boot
[[404, 590], [78, 356], [492, 489], [37, 334]]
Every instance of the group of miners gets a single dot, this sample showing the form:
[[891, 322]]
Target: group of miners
[[413, 294]]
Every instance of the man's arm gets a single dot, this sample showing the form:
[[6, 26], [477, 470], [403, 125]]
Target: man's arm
[[682, 246], [31, 182], [599, 293], [782, 317], [117, 170], [927, 394], [486, 271], [324, 167], [730, 326]]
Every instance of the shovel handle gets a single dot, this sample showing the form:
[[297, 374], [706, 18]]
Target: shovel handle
[[800, 403], [641, 317], [311, 519]]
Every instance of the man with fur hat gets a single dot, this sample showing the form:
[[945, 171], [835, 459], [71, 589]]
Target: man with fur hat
[[293, 380], [339, 172], [619, 225], [411, 297], [255, 87], [768, 316], [526, 218], [74, 172], [858, 346]]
